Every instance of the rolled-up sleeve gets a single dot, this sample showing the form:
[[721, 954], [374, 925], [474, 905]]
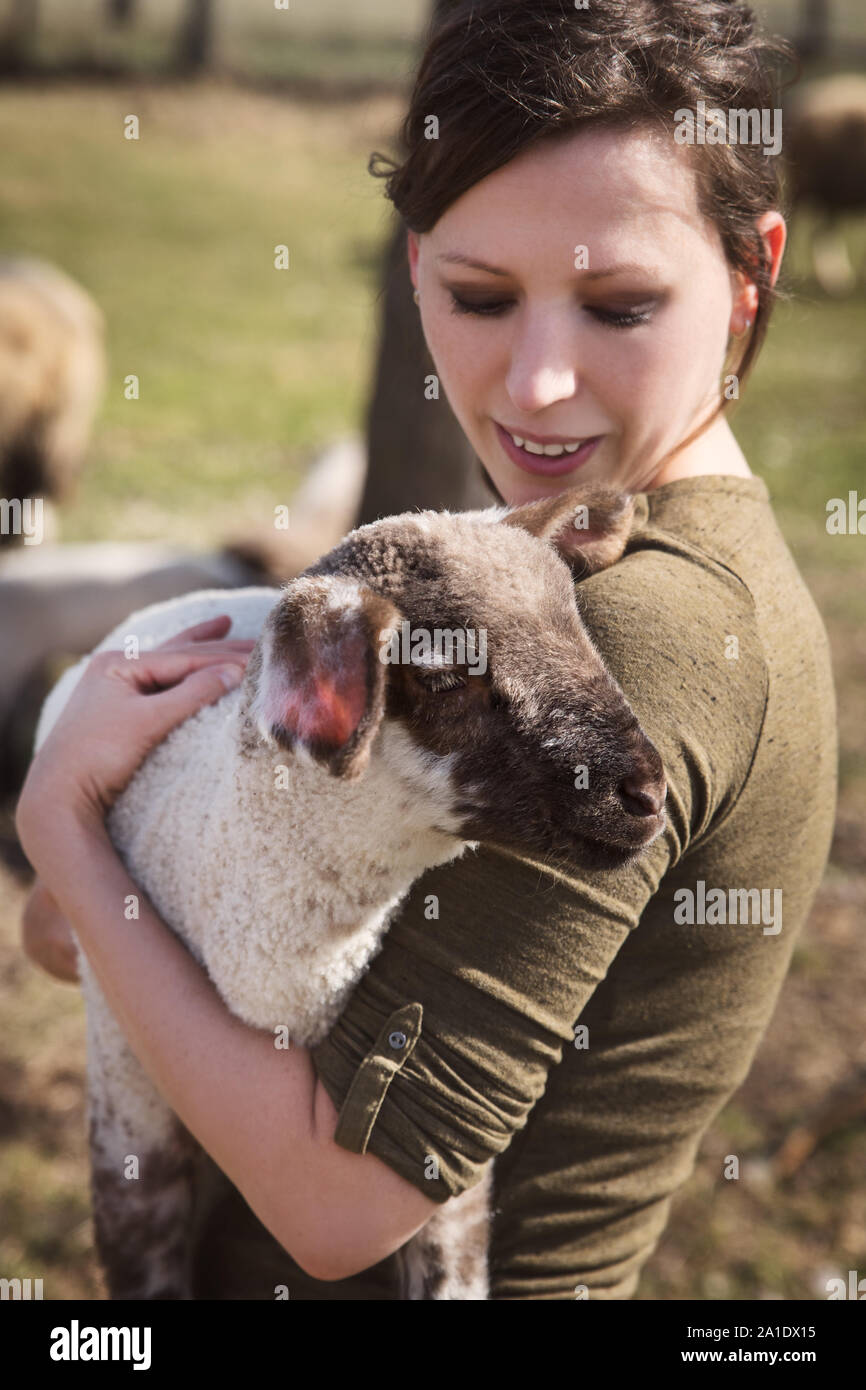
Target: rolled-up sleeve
[[446, 1043]]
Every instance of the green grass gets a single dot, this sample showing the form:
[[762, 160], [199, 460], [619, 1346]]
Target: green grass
[[243, 368]]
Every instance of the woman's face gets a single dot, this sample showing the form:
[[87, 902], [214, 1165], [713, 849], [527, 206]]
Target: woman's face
[[618, 348]]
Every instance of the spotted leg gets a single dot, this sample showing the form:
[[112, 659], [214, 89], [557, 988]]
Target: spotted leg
[[143, 1163], [447, 1259]]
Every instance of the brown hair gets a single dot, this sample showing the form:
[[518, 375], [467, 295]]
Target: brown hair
[[501, 75]]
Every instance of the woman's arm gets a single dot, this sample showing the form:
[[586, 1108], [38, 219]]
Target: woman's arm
[[258, 1111]]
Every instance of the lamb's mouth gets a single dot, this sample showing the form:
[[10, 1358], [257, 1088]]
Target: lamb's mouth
[[580, 851], [568, 852], [628, 849], [594, 846], [606, 854]]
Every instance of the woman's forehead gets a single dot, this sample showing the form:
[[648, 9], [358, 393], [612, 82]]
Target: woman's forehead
[[642, 167], [601, 187]]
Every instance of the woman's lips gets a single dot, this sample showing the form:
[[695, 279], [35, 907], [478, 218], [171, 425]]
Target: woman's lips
[[540, 464]]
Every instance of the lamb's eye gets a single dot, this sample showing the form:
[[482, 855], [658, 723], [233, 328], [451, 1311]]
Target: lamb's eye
[[437, 679]]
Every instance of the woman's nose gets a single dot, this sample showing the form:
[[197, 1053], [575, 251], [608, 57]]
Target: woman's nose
[[543, 367]]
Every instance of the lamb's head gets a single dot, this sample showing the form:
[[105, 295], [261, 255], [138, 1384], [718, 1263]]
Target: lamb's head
[[451, 646]]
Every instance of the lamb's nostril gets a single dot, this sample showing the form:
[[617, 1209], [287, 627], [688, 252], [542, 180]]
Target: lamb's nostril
[[642, 798]]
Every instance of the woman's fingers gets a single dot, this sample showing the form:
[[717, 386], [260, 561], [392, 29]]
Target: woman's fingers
[[200, 632], [195, 682], [190, 652], [162, 668], [119, 710], [210, 630]]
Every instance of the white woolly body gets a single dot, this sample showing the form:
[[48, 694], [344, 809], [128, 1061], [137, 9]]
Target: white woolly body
[[279, 877]]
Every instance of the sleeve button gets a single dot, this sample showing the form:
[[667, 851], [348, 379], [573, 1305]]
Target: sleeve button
[[397, 1040]]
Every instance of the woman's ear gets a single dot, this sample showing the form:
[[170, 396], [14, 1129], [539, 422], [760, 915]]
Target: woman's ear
[[773, 231], [412, 249]]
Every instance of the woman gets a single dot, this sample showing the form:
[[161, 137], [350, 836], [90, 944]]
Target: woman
[[593, 291]]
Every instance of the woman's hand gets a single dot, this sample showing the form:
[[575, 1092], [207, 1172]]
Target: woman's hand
[[120, 709]]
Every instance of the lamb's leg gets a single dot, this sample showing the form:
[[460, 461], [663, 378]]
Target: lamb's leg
[[447, 1259], [143, 1163]]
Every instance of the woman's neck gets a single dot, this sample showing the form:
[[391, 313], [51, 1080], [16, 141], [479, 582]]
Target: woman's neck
[[714, 451]]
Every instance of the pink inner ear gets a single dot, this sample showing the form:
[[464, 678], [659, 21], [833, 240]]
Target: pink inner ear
[[321, 710], [334, 714]]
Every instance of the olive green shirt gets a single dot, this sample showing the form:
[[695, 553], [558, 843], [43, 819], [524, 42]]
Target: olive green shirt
[[583, 1028]]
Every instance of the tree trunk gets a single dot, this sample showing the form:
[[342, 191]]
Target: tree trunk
[[18, 34], [121, 13], [815, 28], [196, 38], [418, 456]]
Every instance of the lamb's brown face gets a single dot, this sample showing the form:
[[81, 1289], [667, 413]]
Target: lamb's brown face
[[535, 742], [543, 752]]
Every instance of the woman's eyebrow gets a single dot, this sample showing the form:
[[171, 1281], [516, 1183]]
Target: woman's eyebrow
[[623, 268], [458, 258]]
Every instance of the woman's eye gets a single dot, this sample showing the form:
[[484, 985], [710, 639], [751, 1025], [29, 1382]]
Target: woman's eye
[[630, 317], [485, 307], [622, 318]]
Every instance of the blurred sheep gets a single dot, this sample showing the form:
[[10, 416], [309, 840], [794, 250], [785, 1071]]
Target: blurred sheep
[[52, 377], [58, 601], [825, 140]]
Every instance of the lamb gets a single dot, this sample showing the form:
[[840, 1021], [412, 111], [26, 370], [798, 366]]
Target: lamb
[[304, 804], [52, 376]]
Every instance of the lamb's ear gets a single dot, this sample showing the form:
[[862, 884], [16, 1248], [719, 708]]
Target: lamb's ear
[[321, 686], [589, 526]]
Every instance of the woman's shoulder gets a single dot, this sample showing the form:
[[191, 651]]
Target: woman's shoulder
[[677, 623], [704, 561], [677, 616], [707, 566]]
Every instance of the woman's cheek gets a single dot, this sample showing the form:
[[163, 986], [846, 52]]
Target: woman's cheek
[[469, 368], [634, 379], [647, 395], [674, 371], [451, 349]]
